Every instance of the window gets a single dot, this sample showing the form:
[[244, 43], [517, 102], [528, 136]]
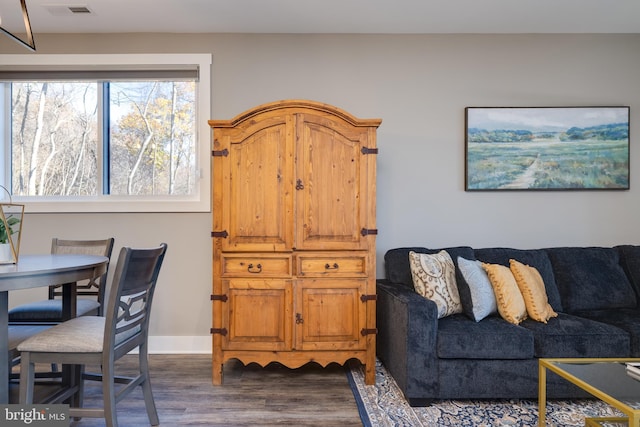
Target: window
[[104, 133]]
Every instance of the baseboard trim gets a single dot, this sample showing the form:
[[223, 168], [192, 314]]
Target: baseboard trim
[[179, 344]]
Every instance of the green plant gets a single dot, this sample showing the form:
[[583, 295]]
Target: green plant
[[11, 221]]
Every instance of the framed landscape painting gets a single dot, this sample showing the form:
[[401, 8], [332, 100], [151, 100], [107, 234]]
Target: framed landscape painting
[[546, 148]]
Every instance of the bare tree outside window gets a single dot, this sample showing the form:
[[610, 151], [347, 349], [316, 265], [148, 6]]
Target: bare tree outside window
[[57, 146], [152, 138], [54, 138]]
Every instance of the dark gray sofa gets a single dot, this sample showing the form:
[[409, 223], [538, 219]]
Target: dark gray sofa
[[594, 290]]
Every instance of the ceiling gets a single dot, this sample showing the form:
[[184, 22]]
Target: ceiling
[[326, 16]]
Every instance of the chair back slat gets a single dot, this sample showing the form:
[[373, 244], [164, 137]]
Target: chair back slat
[[132, 313], [131, 294]]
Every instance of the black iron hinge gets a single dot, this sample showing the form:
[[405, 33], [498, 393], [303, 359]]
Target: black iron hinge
[[222, 298], [367, 231], [221, 331], [222, 234], [220, 153], [366, 331], [365, 298], [367, 150]]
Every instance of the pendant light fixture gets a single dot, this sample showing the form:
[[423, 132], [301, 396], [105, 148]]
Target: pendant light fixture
[[29, 44]]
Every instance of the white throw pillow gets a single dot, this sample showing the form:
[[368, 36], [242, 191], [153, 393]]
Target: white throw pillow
[[483, 299]]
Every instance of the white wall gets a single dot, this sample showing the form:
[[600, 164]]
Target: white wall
[[419, 85]]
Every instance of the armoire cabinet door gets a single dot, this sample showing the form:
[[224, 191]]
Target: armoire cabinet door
[[254, 186], [332, 183], [258, 315], [329, 314]]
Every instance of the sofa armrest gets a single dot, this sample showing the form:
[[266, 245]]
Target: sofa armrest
[[406, 342]]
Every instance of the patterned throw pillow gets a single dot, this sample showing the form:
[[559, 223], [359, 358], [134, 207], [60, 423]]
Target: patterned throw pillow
[[532, 288], [483, 299], [511, 305], [434, 277]]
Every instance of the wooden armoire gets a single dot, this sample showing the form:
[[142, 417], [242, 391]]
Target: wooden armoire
[[294, 230]]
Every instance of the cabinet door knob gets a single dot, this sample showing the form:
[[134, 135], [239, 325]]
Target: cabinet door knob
[[299, 185], [299, 319], [257, 269]]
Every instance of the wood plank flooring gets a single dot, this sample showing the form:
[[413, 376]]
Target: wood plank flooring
[[251, 395]]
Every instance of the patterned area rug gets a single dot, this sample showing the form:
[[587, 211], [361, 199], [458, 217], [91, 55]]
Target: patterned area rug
[[383, 405]]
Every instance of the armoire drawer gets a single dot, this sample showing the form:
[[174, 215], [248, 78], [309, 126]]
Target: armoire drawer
[[338, 265], [251, 265]]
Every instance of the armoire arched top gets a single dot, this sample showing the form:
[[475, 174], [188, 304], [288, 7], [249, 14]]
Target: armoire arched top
[[295, 104]]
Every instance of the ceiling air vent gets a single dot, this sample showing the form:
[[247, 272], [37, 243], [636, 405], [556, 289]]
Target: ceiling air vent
[[79, 9], [66, 10]]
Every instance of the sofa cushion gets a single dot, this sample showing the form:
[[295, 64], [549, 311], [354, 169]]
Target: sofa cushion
[[572, 336], [462, 338], [509, 300], [630, 262], [533, 292], [434, 277], [396, 263], [483, 299], [536, 258], [627, 319], [591, 278]]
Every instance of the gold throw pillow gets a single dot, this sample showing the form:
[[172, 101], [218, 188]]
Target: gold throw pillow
[[533, 291], [511, 305]]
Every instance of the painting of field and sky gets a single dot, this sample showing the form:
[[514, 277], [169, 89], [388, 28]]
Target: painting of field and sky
[[547, 148]]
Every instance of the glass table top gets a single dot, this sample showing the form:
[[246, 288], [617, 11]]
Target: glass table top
[[610, 377]]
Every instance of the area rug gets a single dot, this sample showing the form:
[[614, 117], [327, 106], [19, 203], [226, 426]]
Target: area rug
[[383, 405]]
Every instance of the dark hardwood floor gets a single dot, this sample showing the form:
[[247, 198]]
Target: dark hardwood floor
[[251, 395]]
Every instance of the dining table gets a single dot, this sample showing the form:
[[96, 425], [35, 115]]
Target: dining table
[[33, 271]]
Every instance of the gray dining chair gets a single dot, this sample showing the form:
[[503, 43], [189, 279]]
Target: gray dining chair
[[97, 340], [90, 294]]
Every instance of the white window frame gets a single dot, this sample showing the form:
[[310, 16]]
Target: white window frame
[[200, 201]]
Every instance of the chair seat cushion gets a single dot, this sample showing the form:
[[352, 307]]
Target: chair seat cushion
[[50, 310], [19, 333], [78, 335]]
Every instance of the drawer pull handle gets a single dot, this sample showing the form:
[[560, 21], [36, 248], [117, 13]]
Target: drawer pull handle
[[255, 270], [335, 266]]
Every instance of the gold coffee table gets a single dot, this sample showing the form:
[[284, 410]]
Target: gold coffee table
[[605, 379]]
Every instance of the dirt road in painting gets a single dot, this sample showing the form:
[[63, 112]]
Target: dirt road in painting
[[527, 178]]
